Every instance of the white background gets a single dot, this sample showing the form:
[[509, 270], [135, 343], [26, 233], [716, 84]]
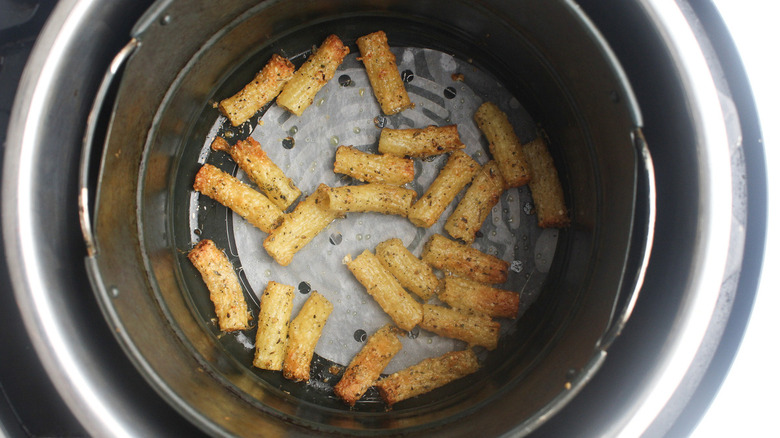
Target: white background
[[747, 404]]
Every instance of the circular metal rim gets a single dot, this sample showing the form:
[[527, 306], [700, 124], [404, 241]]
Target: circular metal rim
[[40, 312]]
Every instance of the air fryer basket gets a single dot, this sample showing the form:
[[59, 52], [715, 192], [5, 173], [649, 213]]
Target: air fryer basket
[[540, 56]]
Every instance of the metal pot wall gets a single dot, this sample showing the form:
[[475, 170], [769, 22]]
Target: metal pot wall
[[693, 146]]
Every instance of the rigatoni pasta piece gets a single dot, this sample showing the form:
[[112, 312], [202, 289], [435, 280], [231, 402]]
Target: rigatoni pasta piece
[[300, 226], [383, 73], [545, 186], [273, 323], [223, 285], [448, 255], [427, 375], [379, 198], [465, 294], [420, 142], [504, 144], [373, 168], [475, 329], [366, 367], [474, 208], [305, 331], [299, 92], [404, 310], [253, 160], [263, 88], [413, 274], [239, 197], [458, 172]]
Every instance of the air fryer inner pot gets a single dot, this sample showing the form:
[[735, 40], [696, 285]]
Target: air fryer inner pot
[[544, 54]]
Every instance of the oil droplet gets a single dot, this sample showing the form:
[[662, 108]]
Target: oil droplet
[[267, 272], [197, 231], [229, 134], [293, 130], [359, 237], [356, 130], [361, 92], [334, 141], [368, 236], [321, 101]]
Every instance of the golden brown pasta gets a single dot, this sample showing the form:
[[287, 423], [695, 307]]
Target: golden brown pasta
[[373, 168], [300, 226], [383, 73], [263, 88], [427, 375], [474, 208], [379, 198], [465, 294], [299, 92], [448, 255], [239, 197], [273, 323], [366, 367], [504, 144], [305, 331], [253, 160], [413, 274], [545, 186], [458, 172], [404, 310], [473, 328], [420, 142], [223, 285]]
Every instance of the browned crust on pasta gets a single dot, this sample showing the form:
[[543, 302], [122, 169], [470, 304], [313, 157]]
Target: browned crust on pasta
[[378, 198], [366, 367], [504, 144], [239, 197], [373, 168], [546, 189], [383, 73], [222, 282], [427, 375], [476, 329], [450, 256], [452, 178], [413, 274], [305, 331], [264, 87], [300, 226], [252, 159], [273, 323], [404, 310], [471, 212], [465, 294], [320, 68], [420, 142]]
